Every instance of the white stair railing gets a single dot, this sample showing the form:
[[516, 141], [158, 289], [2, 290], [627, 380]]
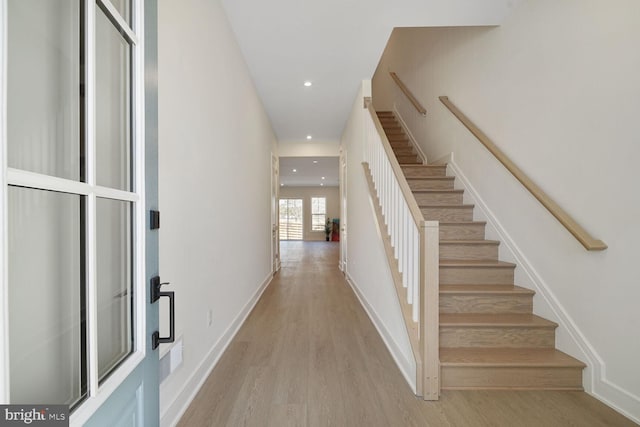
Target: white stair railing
[[415, 245]]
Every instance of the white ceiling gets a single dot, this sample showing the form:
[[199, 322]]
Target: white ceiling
[[335, 44], [309, 171]]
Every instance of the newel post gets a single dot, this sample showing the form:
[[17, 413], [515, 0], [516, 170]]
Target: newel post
[[430, 325]]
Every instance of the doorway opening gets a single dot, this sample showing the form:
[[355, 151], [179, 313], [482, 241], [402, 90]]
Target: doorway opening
[[291, 224]]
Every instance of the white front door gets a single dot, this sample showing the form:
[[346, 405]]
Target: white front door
[[76, 188]]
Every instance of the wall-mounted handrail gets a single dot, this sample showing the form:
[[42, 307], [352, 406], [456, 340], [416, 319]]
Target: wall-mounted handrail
[[582, 235], [408, 93]]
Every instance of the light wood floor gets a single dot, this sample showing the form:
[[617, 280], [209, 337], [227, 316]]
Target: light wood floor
[[308, 355]]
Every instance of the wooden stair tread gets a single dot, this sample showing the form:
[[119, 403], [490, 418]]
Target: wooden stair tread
[[461, 206], [463, 222], [431, 178], [469, 242], [484, 290], [475, 263], [438, 190], [507, 357], [496, 320], [430, 166]]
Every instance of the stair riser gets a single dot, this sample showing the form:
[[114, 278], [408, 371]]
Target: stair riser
[[404, 151], [408, 160], [431, 184], [448, 214], [438, 198], [399, 144], [462, 232], [398, 138], [393, 133], [411, 172], [495, 304], [476, 276], [496, 337], [521, 378], [467, 251]]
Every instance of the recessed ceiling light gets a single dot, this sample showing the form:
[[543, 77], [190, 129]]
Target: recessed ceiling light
[[315, 162], [321, 185], [309, 137], [282, 185], [307, 83], [323, 177], [295, 170]]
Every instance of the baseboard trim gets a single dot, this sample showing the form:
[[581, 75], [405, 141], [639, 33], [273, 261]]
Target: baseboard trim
[[177, 408], [403, 363], [597, 384]]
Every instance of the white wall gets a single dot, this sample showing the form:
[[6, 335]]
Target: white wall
[[309, 149], [367, 268], [215, 147], [557, 88], [306, 193]]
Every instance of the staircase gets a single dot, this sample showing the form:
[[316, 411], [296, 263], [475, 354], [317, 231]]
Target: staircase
[[489, 336]]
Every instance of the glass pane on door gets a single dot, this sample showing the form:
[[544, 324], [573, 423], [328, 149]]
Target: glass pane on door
[[43, 86], [46, 296], [290, 219], [113, 106], [114, 283]]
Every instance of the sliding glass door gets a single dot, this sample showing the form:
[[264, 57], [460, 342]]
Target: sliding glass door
[[290, 219]]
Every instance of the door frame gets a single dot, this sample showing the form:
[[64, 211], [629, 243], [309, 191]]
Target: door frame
[[97, 394], [275, 213], [343, 211]]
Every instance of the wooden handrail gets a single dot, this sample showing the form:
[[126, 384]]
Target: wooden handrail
[[416, 213], [408, 93], [588, 241]]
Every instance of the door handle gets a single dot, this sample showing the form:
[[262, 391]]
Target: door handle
[[156, 294]]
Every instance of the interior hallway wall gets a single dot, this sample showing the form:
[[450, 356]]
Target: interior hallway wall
[[367, 268], [215, 148], [557, 88]]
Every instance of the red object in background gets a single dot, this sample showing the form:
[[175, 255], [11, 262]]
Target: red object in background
[[335, 233]]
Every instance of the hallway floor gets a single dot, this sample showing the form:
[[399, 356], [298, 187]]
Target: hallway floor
[[308, 355]]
